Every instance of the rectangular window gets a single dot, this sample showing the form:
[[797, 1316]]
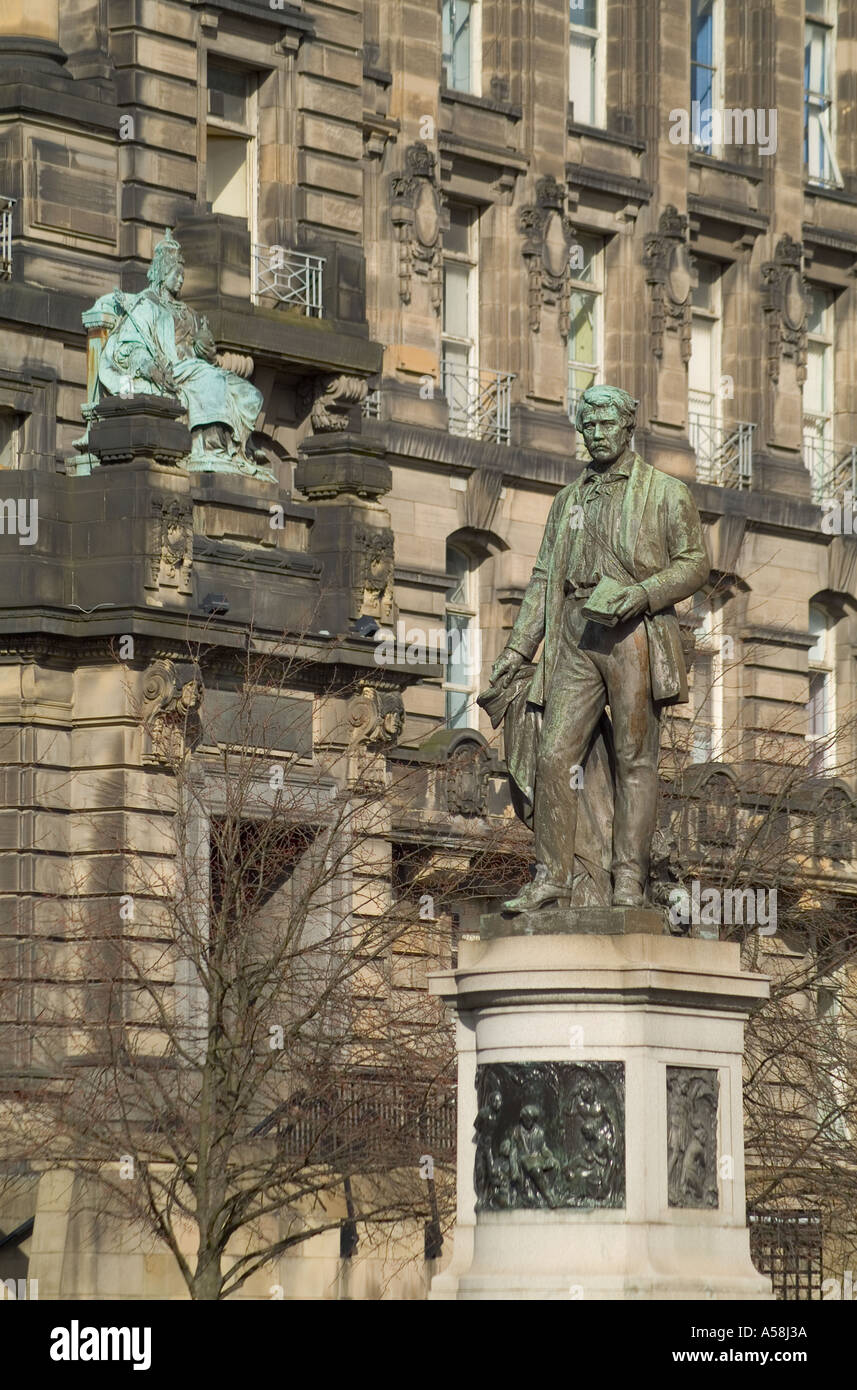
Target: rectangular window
[[461, 45], [707, 682], [818, 442], [819, 108], [230, 146], [586, 322], [704, 405], [821, 706], [463, 654], [586, 61], [9, 424], [706, 70], [461, 315]]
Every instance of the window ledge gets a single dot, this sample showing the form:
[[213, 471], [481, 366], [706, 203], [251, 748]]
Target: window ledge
[[505, 108], [753, 172], [610, 137], [833, 195]]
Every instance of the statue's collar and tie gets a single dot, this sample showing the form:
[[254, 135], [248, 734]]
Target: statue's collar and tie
[[595, 480]]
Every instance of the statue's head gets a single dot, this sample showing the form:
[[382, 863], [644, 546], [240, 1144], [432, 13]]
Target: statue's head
[[530, 1114], [167, 266], [606, 416]]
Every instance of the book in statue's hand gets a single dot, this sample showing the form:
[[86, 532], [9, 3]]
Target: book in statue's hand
[[603, 603]]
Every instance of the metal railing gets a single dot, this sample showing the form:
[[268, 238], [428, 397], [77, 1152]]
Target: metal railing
[[831, 476], [479, 401], [289, 277], [6, 206], [371, 407], [724, 453]]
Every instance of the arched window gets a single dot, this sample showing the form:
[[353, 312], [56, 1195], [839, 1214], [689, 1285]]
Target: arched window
[[821, 708], [463, 654], [707, 681]]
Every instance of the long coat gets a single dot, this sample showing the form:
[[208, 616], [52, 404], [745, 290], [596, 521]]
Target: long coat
[[660, 546]]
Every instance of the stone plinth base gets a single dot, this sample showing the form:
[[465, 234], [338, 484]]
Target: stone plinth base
[[600, 1118]]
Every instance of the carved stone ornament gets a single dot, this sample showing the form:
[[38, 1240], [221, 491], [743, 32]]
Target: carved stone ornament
[[372, 590], [670, 276], [416, 204], [550, 1134], [548, 239], [172, 696], [692, 1094], [785, 304], [376, 717], [171, 545], [467, 780], [330, 400]]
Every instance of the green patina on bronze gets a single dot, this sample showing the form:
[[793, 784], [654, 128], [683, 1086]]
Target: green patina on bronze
[[160, 346], [622, 545]]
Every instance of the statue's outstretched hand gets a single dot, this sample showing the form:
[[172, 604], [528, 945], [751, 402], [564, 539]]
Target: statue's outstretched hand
[[506, 667]]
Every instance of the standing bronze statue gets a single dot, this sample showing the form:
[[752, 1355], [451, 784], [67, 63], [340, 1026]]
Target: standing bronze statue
[[622, 545]]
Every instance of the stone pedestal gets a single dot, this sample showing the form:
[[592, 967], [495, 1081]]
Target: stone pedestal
[[600, 1131]]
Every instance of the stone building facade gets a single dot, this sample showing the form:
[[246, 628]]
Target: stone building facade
[[423, 229]]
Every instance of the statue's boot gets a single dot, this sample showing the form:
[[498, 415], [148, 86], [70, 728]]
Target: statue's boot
[[538, 894], [627, 890]]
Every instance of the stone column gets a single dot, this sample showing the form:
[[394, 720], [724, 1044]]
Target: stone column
[[600, 1073]]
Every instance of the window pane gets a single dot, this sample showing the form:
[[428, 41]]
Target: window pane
[[704, 294], [817, 707], [584, 12], [456, 299], [226, 174], [459, 646], [457, 703], [456, 44], [457, 565], [583, 262], [581, 77], [227, 93], [818, 318], [457, 238], [582, 337]]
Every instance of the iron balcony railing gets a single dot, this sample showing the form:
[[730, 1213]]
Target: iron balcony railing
[[724, 453], [289, 277], [831, 473], [6, 206], [479, 401], [371, 407]]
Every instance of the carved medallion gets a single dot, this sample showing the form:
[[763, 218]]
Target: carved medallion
[[549, 1135], [670, 277], [692, 1136], [784, 303]]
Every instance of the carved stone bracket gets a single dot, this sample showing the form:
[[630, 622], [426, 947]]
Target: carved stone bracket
[[172, 696], [550, 1134], [376, 717], [548, 238], [670, 276], [416, 205], [692, 1094], [784, 302], [171, 545], [330, 400]]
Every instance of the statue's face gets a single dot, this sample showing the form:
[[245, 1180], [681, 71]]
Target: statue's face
[[606, 433], [174, 278]]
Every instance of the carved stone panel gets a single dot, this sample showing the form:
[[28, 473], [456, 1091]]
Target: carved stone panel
[[670, 276], [550, 1134], [416, 206], [692, 1094], [785, 305], [548, 237], [171, 547]]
